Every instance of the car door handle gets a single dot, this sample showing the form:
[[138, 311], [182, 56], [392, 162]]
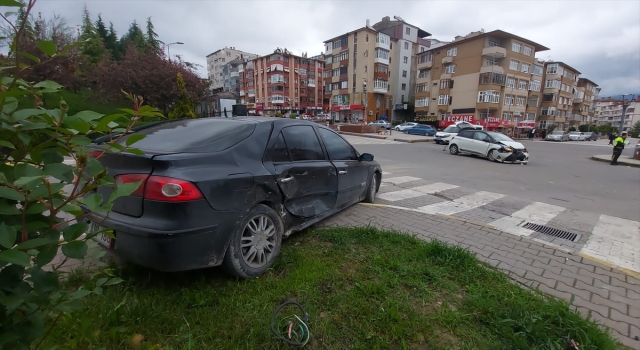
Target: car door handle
[[342, 172], [286, 179]]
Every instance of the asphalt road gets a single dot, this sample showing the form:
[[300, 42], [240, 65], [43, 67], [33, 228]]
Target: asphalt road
[[558, 173]]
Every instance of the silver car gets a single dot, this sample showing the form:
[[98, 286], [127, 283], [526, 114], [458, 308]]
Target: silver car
[[494, 146], [405, 126], [576, 136], [559, 136]]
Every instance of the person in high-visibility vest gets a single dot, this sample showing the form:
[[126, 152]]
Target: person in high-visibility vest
[[618, 146]]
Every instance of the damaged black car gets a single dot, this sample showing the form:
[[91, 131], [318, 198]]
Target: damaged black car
[[226, 191]]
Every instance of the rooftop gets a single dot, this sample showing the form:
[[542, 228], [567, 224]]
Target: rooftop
[[564, 65], [351, 32], [588, 81], [496, 34]]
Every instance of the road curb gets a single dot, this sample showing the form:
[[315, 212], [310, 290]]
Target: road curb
[[379, 137], [608, 160]]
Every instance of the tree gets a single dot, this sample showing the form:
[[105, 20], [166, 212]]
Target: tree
[[134, 36], [101, 29], [583, 128], [183, 107], [111, 43], [152, 38], [635, 131], [93, 47]]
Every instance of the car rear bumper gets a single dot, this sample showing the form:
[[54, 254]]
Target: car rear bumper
[[174, 250]]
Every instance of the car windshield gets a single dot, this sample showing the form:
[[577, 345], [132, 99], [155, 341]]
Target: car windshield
[[574, 133], [500, 137], [557, 133], [452, 129]]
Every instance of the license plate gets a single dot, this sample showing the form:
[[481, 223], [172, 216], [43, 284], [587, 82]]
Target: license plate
[[102, 238]]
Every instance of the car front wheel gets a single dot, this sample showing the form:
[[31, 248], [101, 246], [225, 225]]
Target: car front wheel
[[492, 155], [453, 149], [373, 188], [255, 244]]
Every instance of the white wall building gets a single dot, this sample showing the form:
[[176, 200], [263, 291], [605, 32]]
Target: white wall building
[[609, 111], [217, 60]]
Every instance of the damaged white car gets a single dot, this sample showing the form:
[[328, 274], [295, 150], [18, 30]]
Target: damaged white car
[[491, 145]]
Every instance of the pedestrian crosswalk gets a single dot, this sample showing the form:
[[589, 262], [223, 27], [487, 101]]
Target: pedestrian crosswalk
[[608, 238], [360, 140]]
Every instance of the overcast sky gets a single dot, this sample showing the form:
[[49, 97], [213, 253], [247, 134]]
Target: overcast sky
[[599, 38]]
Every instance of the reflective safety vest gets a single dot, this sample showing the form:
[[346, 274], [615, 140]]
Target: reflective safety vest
[[618, 142]]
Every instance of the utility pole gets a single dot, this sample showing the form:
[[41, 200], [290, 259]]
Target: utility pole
[[365, 99]]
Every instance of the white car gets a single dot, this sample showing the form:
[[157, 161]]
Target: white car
[[577, 136], [450, 131], [380, 124], [494, 146], [405, 126]]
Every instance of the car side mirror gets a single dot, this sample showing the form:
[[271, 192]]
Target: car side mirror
[[366, 157]]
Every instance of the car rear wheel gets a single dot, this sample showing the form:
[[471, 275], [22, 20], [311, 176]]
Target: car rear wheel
[[255, 244], [453, 149], [373, 188]]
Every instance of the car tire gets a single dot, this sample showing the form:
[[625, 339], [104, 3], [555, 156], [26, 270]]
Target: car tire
[[263, 227], [453, 149], [373, 188], [490, 155]]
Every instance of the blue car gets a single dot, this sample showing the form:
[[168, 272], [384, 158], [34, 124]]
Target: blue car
[[421, 129]]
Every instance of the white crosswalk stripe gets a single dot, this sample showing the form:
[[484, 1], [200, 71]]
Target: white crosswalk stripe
[[612, 239], [465, 203], [360, 140]]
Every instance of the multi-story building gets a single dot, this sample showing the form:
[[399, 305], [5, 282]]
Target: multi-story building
[[584, 99], [282, 82], [560, 85], [369, 69], [231, 77], [487, 78], [217, 60], [609, 111]]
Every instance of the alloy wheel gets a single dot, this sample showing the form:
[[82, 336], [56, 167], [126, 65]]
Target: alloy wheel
[[373, 187], [258, 241]]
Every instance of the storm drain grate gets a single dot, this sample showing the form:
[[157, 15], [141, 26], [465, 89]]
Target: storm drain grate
[[570, 236]]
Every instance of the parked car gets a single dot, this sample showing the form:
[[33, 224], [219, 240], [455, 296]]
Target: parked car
[[559, 136], [444, 136], [576, 136], [590, 136], [381, 124], [226, 191], [421, 129], [494, 146], [405, 126]]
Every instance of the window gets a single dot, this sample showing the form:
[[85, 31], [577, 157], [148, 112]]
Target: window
[[422, 87], [404, 73], [530, 116], [404, 87], [490, 62], [553, 84], [520, 100], [406, 45], [343, 55], [382, 53], [452, 52], [480, 136], [511, 82], [424, 73], [548, 111], [533, 101], [534, 85], [466, 134], [407, 31], [344, 84], [303, 71], [302, 143], [516, 46], [444, 100], [524, 68], [337, 147], [509, 100], [493, 43], [528, 50], [537, 70], [228, 54], [279, 152], [492, 78], [548, 97], [422, 49], [513, 65], [450, 68], [424, 58], [446, 83], [379, 84], [522, 84], [422, 102], [405, 59], [552, 68], [490, 96]]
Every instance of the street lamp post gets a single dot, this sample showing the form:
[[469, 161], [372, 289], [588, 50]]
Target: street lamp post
[[365, 98], [169, 50]]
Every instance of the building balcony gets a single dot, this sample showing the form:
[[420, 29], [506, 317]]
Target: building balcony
[[427, 64], [560, 119], [385, 46], [494, 69], [484, 106], [577, 100], [381, 60], [251, 94], [445, 76], [381, 89], [234, 74], [494, 51], [242, 93], [447, 59], [381, 75]]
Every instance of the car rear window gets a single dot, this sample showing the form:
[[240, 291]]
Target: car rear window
[[193, 135]]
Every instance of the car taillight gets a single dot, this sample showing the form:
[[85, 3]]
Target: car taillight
[[96, 153], [160, 188]]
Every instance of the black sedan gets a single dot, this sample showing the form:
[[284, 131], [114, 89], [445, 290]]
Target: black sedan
[[226, 191]]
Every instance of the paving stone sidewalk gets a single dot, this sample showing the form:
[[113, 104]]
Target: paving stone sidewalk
[[606, 295]]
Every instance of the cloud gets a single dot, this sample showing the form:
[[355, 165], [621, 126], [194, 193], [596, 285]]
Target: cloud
[[599, 38]]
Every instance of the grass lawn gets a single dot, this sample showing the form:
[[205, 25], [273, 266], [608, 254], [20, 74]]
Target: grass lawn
[[362, 289]]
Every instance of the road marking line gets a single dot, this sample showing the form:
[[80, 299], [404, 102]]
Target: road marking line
[[385, 173], [631, 273], [615, 240], [537, 212], [400, 179], [461, 204], [416, 191]]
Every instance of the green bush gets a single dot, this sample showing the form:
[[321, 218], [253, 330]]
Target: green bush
[[38, 216]]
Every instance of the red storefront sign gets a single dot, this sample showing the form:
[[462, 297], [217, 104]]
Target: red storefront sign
[[259, 106], [527, 124], [506, 124], [346, 107], [453, 118]]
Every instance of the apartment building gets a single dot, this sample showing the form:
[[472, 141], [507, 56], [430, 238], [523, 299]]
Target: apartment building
[[218, 59], [486, 78], [231, 77], [609, 111], [368, 70], [560, 86], [282, 82], [584, 100]]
